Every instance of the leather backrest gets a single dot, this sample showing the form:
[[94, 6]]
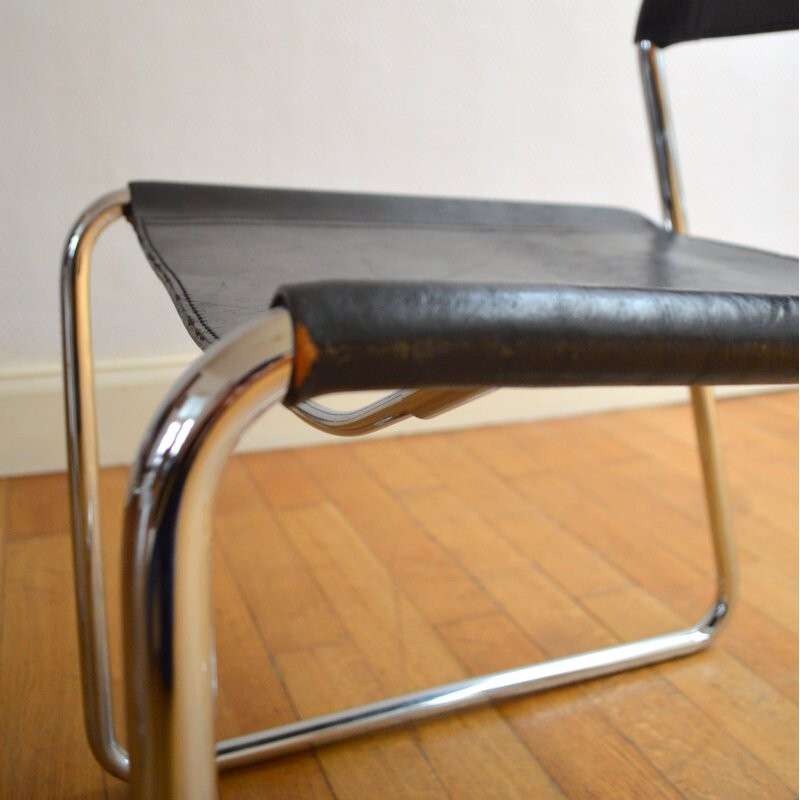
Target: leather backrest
[[666, 22]]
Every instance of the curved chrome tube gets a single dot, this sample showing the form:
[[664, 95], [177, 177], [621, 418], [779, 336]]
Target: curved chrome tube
[[167, 609], [81, 426], [400, 405], [168, 632], [463, 694], [82, 463], [372, 417], [168, 636]]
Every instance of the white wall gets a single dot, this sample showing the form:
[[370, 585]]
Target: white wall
[[529, 99]]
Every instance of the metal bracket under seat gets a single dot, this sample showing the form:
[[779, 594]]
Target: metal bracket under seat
[[400, 405]]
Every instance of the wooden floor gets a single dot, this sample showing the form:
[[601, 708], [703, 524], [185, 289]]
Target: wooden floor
[[347, 572]]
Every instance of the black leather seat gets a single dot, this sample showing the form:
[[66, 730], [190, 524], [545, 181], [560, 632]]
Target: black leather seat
[[399, 291]]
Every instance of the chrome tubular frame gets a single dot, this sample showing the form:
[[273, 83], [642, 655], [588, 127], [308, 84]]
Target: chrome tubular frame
[[168, 632], [168, 635], [82, 456], [170, 675], [82, 459]]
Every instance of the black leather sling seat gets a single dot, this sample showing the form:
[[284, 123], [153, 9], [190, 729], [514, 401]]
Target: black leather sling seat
[[395, 292]]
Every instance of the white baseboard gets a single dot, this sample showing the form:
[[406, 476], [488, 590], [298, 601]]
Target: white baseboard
[[32, 416]]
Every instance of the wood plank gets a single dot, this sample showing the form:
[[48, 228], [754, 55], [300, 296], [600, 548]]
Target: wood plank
[[674, 487], [631, 551], [769, 650], [490, 643], [783, 403], [385, 765], [393, 465], [545, 611], [748, 709], [741, 433], [771, 592], [686, 744], [403, 653], [37, 505], [478, 751], [766, 541], [3, 537], [673, 445], [577, 568], [40, 696], [237, 491], [420, 567], [563, 556], [585, 754], [759, 419], [570, 446], [758, 537], [458, 470], [499, 449], [281, 478], [252, 697], [668, 435], [401, 647], [535, 604], [739, 418], [680, 585], [638, 504], [289, 609], [773, 499], [565, 729], [773, 502]]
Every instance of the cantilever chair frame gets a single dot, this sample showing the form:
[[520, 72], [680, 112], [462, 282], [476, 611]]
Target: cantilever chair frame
[[169, 659]]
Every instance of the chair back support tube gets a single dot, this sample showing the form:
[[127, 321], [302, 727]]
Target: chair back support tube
[[651, 67], [704, 410]]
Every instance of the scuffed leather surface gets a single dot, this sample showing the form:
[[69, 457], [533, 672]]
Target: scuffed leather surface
[[666, 22], [394, 292], [403, 334]]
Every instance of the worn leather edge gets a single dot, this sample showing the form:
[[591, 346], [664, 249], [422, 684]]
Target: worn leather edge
[[202, 333], [218, 203], [376, 336]]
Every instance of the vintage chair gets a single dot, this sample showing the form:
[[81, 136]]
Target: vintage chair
[[300, 293]]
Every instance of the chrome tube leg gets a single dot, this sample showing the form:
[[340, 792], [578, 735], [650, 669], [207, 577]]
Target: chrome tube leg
[[82, 463], [705, 418], [651, 67], [168, 635], [166, 604]]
